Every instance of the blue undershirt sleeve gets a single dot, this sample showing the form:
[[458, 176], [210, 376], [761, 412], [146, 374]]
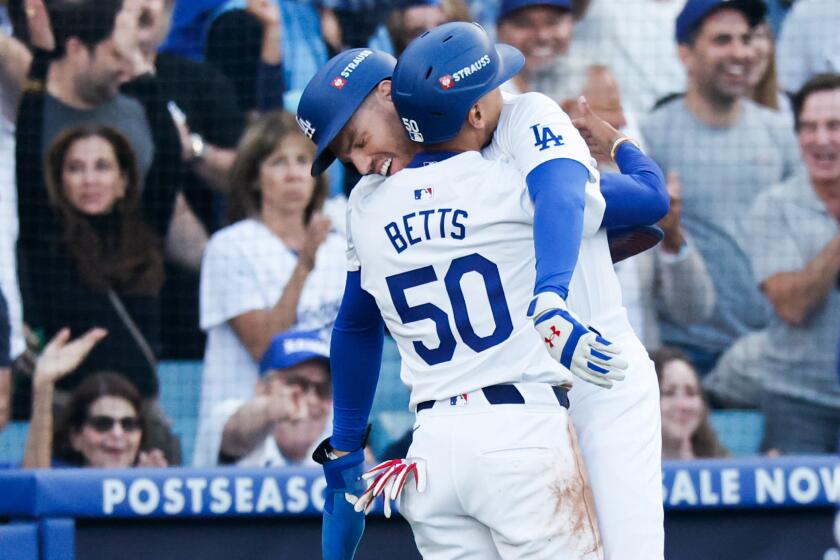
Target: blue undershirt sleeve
[[355, 359], [637, 197], [557, 189]]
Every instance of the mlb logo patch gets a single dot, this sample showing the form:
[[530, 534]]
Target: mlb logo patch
[[460, 400], [338, 82], [426, 193], [446, 81]]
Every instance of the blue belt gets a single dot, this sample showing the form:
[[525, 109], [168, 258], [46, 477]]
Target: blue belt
[[507, 394]]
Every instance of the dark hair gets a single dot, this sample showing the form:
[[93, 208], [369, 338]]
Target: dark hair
[[90, 21], [259, 141], [72, 420], [820, 82], [750, 9], [126, 257], [704, 441]]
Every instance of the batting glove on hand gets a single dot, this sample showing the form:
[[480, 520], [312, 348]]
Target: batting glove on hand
[[388, 479], [342, 526], [581, 350]]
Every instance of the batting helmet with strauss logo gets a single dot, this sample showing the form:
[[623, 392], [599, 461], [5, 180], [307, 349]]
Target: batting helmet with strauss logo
[[443, 73], [335, 92]]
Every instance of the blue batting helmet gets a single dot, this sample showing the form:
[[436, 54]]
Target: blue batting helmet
[[333, 95], [443, 73]]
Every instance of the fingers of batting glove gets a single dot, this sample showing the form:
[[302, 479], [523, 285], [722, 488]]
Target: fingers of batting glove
[[606, 355], [388, 479]]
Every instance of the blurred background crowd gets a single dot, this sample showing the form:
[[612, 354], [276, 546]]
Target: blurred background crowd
[[170, 271]]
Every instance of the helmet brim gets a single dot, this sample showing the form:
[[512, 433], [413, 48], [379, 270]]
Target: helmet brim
[[512, 61]]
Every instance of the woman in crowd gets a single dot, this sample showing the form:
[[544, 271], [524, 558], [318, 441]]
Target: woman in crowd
[[100, 265], [686, 431], [763, 78], [103, 425], [277, 266]]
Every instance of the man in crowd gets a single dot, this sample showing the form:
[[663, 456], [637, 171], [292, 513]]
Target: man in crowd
[[542, 31], [726, 150], [290, 410], [794, 248]]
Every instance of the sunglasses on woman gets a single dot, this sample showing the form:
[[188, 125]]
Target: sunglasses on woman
[[104, 424]]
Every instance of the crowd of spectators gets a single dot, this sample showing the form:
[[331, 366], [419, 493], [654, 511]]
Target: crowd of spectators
[[156, 204]]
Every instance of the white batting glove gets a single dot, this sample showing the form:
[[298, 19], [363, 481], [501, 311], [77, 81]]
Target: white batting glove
[[388, 479], [581, 350]]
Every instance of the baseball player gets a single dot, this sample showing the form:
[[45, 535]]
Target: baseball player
[[445, 254], [542, 142]]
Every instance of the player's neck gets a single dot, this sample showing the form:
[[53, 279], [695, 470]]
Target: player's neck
[[468, 140]]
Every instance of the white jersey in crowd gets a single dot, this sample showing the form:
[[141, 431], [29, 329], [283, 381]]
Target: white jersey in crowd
[[245, 268]]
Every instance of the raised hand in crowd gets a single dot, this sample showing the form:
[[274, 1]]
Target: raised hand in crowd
[[61, 356], [126, 40], [38, 22], [316, 232], [284, 402], [268, 14]]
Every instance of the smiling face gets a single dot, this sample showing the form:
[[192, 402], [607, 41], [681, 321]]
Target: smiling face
[[91, 177], [721, 58], [819, 136], [541, 32], [680, 400], [373, 140], [115, 447], [284, 178]]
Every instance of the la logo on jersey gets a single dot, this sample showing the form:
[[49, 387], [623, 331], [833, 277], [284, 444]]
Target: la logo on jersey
[[543, 136], [426, 193], [338, 82]]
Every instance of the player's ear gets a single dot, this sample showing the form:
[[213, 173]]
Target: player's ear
[[476, 117], [384, 89]]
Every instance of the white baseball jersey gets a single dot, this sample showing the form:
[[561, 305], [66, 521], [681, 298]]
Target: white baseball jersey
[[532, 130], [618, 430], [449, 258]]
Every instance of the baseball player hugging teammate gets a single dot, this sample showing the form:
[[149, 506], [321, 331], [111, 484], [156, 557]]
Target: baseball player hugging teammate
[[479, 253]]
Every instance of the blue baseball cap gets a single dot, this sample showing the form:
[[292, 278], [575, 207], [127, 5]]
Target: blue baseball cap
[[291, 348], [695, 11], [333, 95], [443, 73], [509, 6]]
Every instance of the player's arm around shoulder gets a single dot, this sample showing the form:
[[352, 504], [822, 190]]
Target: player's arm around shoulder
[[534, 129]]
